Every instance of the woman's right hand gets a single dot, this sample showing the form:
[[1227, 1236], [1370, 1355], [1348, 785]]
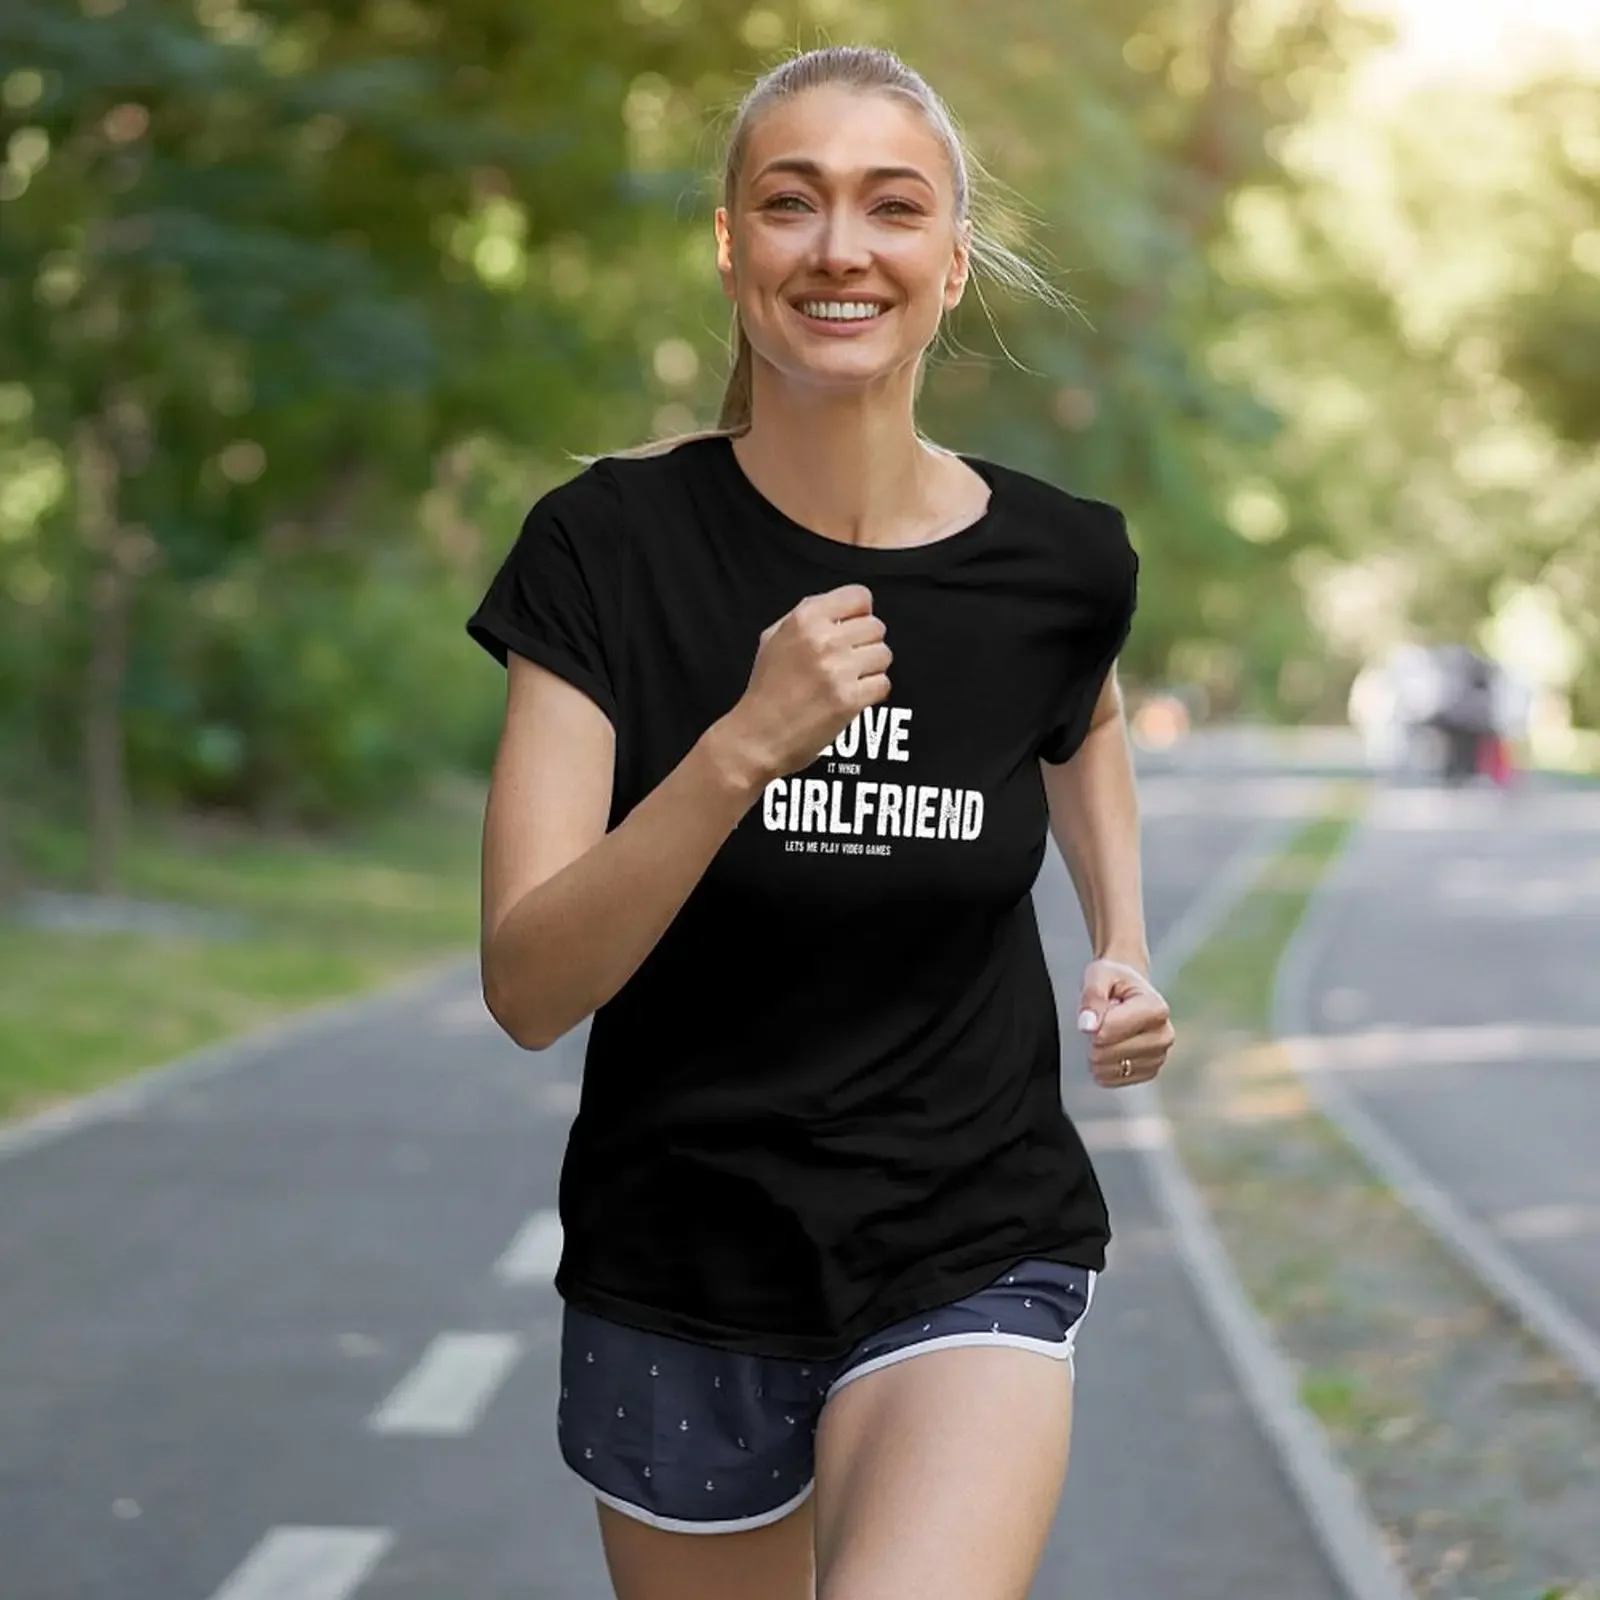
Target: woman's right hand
[[816, 667]]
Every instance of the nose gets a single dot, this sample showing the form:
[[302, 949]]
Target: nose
[[841, 242]]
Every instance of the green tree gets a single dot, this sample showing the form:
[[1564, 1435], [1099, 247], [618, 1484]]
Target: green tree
[[269, 272]]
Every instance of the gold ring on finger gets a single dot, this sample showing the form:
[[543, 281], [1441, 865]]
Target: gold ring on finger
[[1127, 1067]]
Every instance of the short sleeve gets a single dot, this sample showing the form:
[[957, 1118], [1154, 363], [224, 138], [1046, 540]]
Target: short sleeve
[[552, 596], [1100, 647]]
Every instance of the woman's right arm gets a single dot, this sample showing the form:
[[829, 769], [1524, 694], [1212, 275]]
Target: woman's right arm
[[571, 910]]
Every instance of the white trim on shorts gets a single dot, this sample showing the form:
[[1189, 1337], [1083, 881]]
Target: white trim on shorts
[[681, 1525], [1057, 1350]]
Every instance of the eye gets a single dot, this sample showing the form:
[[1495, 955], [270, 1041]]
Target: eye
[[898, 210], [784, 202]]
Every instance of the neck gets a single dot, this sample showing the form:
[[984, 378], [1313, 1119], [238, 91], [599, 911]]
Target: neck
[[847, 466]]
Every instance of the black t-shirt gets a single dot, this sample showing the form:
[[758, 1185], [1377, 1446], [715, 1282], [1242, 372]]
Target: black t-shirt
[[830, 1096]]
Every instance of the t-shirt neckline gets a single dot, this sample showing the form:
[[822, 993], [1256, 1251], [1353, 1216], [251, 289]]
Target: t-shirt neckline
[[854, 557]]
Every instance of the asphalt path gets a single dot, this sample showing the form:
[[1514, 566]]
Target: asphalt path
[[1454, 992], [286, 1332]]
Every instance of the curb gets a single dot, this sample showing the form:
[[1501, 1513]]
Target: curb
[[1350, 1538], [1539, 1311], [322, 1021]]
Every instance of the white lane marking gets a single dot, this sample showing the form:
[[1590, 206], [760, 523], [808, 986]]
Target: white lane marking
[[463, 1014], [558, 1098], [307, 1564], [1541, 1311], [1510, 1044], [1547, 1222], [1339, 1516], [450, 1387], [532, 1257], [1126, 1132]]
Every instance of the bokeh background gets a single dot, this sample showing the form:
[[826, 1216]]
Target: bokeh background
[[303, 302], [302, 305]]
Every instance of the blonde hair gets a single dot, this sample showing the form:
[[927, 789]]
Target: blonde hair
[[869, 70]]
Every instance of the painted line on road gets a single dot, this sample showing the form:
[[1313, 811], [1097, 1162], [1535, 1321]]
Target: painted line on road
[[1343, 1525], [463, 1015], [535, 1253], [1542, 1313], [307, 1564], [315, 1023], [450, 1388], [1507, 1044], [1120, 1132]]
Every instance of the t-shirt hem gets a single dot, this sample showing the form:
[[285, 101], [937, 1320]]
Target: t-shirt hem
[[498, 636], [1088, 1253]]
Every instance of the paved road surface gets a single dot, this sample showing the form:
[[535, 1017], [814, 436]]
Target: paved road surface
[[287, 1333], [1459, 987]]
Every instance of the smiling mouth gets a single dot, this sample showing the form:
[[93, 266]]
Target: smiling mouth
[[845, 311]]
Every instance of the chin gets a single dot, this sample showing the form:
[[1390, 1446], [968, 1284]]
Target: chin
[[846, 369]]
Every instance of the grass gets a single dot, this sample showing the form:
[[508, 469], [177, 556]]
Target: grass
[[320, 918], [1478, 1453]]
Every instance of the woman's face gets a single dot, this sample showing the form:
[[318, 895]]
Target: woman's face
[[842, 251]]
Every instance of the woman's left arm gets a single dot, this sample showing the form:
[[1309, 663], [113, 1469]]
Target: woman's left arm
[[1094, 816]]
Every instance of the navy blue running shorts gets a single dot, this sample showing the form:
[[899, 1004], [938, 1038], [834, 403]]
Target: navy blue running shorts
[[699, 1440]]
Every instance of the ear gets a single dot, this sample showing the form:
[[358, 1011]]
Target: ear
[[955, 283], [725, 250]]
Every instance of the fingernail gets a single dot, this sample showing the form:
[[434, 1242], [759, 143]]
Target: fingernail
[[1087, 1022]]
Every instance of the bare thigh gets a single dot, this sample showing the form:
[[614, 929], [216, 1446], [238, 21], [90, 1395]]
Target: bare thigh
[[770, 1563], [939, 1476]]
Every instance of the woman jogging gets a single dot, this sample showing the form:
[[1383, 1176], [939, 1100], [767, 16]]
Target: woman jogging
[[791, 710]]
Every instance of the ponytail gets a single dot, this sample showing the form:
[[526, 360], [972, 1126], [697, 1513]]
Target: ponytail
[[734, 418], [737, 398]]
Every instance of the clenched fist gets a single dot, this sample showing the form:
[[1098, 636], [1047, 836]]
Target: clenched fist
[[816, 667], [1129, 1024]]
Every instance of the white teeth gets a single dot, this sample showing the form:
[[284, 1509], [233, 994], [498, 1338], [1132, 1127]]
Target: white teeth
[[841, 310]]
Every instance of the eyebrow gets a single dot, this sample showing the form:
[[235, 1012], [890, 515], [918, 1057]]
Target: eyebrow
[[802, 168]]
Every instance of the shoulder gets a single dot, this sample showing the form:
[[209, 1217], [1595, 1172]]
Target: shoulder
[[580, 520], [584, 504], [1097, 523], [1088, 537], [612, 491]]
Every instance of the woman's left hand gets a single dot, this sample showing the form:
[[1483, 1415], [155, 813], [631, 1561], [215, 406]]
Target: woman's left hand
[[1129, 1024]]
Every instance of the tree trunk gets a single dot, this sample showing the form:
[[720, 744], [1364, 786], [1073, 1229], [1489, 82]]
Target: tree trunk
[[110, 597]]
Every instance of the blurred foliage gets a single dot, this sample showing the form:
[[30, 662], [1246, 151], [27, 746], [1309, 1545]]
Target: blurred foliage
[[1435, 264], [300, 304]]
